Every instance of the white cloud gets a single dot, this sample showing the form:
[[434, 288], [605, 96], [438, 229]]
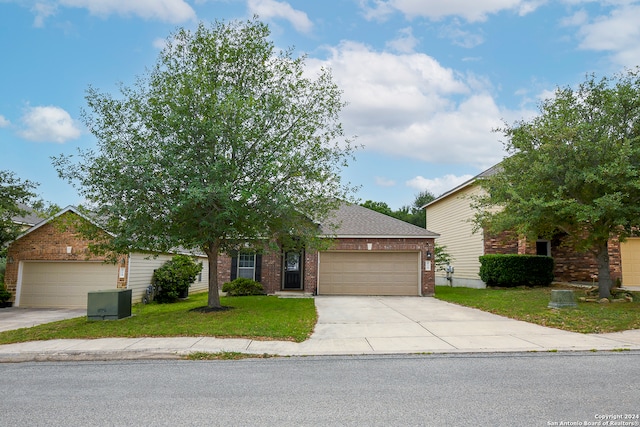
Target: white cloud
[[49, 123], [470, 10], [42, 12], [267, 9], [384, 182], [4, 122], [617, 33], [437, 186], [405, 42], [173, 11], [411, 106]]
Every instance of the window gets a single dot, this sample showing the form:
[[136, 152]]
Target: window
[[543, 247], [247, 266]]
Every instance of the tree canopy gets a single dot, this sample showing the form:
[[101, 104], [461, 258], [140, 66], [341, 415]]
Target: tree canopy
[[223, 142], [15, 196], [413, 213], [573, 170]]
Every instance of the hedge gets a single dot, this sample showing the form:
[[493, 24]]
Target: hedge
[[516, 270]]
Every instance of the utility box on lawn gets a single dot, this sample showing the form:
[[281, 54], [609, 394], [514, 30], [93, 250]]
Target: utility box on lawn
[[109, 304]]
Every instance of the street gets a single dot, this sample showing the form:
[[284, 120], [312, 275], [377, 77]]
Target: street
[[523, 389]]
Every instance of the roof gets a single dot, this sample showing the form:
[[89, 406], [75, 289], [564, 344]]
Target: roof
[[62, 212], [30, 219], [357, 221], [489, 172]]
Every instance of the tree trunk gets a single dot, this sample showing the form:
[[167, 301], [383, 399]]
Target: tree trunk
[[604, 272], [214, 294]]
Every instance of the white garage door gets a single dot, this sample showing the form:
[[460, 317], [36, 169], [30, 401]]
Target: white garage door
[[369, 273], [64, 284], [630, 254]]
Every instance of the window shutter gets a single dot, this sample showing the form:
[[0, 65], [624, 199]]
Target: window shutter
[[234, 267], [258, 270]]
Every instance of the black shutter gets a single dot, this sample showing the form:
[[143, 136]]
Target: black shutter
[[258, 272], [234, 267]]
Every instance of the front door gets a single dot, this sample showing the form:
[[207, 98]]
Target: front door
[[292, 271]]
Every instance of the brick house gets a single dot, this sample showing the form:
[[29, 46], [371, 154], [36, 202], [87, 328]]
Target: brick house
[[451, 214], [50, 265], [371, 254]]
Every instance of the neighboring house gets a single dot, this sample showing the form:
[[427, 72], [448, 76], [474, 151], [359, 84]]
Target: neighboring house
[[50, 265], [371, 254], [451, 215], [29, 220]]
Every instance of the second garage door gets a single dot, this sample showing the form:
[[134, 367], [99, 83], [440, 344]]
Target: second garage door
[[630, 254], [369, 273], [64, 284]]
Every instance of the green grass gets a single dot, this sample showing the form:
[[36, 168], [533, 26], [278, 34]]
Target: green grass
[[256, 317], [530, 305]]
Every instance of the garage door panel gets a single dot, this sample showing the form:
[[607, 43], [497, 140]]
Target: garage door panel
[[369, 273], [64, 284], [630, 254]]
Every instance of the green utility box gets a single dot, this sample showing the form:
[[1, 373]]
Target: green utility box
[[109, 304]]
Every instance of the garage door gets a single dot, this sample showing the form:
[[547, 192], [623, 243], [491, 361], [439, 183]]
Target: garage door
[[630, 254], [369, 273], [64, 284]]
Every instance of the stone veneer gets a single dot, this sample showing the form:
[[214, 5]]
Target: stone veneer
[[570, 266]]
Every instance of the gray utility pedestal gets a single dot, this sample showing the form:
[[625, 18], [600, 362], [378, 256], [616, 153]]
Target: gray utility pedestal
[[561, 298], [109, 304]]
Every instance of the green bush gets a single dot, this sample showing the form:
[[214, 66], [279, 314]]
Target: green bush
[[5, 295], [516, 270], [174, 278], [243, 287]]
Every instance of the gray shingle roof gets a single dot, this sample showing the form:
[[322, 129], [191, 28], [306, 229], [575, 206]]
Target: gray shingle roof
[[357, 221], [30, 219]]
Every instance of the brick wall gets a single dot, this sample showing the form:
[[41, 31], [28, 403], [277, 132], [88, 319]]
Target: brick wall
[[49, 243]]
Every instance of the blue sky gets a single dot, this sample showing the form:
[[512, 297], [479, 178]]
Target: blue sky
[[426, 80]]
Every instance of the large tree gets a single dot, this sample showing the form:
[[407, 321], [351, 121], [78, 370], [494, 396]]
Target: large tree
[[573, 170], [15, 196], [223, 143]]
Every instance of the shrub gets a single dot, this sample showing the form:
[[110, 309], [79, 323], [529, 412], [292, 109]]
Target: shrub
[[243, 287], [174, 278], [5, 295], [516, 270]]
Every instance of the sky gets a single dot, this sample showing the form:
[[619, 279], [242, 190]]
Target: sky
[[427, 82]]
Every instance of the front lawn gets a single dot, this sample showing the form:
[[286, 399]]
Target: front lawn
[[257, 317], [530, 305]]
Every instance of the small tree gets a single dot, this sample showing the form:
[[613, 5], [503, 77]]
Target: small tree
[[15, 194], [224, 143], [574, 169]]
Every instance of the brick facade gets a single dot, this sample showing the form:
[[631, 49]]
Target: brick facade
[[570, 266], [56, 240], [272, 267]]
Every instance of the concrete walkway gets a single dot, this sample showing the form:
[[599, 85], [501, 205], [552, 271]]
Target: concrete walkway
[[352, 325]]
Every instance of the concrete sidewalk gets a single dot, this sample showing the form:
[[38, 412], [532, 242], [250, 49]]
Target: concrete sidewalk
[[348, 326]]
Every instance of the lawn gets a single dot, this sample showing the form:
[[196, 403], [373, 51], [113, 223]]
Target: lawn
[[530, 305], [256, 317]]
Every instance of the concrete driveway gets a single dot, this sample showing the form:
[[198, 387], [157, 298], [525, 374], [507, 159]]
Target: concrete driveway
[[16, 317]]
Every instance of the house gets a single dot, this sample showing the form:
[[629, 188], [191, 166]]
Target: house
[[370, 254], [50, 265], [451, 214]]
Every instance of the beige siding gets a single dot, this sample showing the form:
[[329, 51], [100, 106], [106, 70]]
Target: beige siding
[[630, 253], [141, 268], [450, 217]]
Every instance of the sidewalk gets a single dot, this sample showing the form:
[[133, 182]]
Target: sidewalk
[[352, 326]]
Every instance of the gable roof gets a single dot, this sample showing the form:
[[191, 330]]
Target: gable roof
[[489, 172], [30, 219], [72, 209], [357, 221]]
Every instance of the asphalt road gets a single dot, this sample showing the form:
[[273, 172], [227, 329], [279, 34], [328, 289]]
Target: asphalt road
[[528, 389]]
